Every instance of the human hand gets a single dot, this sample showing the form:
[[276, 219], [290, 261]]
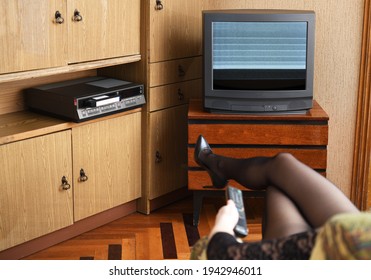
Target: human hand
[[226, 219]]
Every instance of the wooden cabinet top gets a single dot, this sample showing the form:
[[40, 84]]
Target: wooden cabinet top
[[25, 124], [196, 112]]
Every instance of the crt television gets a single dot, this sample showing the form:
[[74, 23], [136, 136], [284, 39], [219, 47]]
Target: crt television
[[258, 61]]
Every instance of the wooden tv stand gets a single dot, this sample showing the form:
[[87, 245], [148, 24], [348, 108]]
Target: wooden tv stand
[[305, 136]]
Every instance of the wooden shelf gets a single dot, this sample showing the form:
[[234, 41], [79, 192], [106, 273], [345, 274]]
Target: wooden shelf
[[22, 125], [11, 77]]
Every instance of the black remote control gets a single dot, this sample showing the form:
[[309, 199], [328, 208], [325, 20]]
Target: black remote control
[[235, 194]]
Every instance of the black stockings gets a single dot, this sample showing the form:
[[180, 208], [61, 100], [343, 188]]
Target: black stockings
[[298, 198]]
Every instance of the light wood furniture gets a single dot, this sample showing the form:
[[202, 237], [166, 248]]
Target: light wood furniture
[[61, 178], [32, 201], [171, 69], [56, 34], [30, 36], [241, 136], [174, 74], [43, 187], [109, 153], [107, 29]]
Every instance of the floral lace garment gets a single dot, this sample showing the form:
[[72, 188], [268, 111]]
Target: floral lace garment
[[299, 246]]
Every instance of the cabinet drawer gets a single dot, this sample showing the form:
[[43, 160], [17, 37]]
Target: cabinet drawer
[[315, 157], [174, 71], [174, 94], [260, 133]]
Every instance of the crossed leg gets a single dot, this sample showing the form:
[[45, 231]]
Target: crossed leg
[[282, 217], [302, 197]]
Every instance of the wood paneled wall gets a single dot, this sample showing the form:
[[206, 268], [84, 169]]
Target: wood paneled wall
[[337, 63]]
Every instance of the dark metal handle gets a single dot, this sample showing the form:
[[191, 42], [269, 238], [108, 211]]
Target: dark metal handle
[[65, 184], [181, 71], [159, 6], [180, 94], [83, 176], [158, 157], [76, 16], [58, 17]]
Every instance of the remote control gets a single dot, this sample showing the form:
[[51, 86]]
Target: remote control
[[235, 194]]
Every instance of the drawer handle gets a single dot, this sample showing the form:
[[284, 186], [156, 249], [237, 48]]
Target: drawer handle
[[76, 16], [180, 94], [181, 71], [83, 176], [65, 184], [58, 17], [159, 6], [158, 157]]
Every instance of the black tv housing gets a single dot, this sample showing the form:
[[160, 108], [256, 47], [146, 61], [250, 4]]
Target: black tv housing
[[258, 61]]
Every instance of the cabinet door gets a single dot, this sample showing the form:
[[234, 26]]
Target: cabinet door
[[103, 29], [109, 152], [30, 36], [32, 200], [175, 29], [167, 157]]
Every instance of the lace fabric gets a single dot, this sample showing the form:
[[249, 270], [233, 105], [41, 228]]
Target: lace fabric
[[299, 246]]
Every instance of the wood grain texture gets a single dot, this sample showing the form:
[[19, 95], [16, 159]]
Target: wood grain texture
[[108, 29], [32, 201], [199, 180], [29, 41], [260, 134], [315, 158], [110, 153], [22, 125], [167, 156], [175, 30], [12, 92], [70, 232], [174, 71], [140, 235], [244, 136], [361, 180], [162, 97]]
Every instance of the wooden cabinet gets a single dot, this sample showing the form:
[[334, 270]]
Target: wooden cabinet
[[44, 34], [243, 136], [108, 153], [41, 40], [43, 188], [30, 36], [32, 200], [102, 29], [173, 71], [167, 159], [174, 29]]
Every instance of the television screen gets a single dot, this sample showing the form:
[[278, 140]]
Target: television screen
[[259, 55], [258, 60]]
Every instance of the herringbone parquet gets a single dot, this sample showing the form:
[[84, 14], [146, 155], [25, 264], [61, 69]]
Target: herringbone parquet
[[166, 233]]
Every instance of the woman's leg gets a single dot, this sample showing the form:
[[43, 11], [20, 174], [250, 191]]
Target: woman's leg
[[282, 217], [316, 197]]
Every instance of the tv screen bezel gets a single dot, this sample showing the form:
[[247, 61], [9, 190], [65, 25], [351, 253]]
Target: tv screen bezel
[[257, 16]]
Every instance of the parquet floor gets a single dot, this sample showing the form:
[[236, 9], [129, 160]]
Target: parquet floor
[[166, 233]]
